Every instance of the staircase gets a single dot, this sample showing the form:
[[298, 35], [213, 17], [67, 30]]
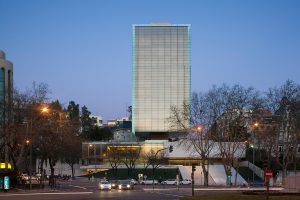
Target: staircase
[[186, 172], [247, 174], [217, 175]]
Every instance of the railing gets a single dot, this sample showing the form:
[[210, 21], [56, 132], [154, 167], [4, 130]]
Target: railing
[[258, 171]]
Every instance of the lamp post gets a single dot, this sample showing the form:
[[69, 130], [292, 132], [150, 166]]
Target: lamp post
[[30, 141], [253, 153], [247, 153], [154, 159], [92, 147]]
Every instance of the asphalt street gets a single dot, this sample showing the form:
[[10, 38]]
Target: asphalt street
[[82, 189], [91, 195]]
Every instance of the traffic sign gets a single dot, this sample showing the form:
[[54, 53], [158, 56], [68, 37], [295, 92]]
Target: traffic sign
[[268, 173]]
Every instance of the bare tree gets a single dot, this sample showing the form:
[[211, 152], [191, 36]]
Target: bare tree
[[287, 137], [155, 159], [26, 115], [129, 156], [113, 156], [221, 114], [72, 148], [194, 119], [283, 101], [266, 139]]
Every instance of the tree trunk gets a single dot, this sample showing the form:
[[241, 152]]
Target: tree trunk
[[51, 179], [20, 158], [284, 171], [14, 162], [228, 174], [51, 163], [72, 168], [205, 176], [41, 167], [236, 174]]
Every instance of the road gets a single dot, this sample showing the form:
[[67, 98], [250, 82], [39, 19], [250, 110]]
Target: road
[[82, 189], [126, 195]]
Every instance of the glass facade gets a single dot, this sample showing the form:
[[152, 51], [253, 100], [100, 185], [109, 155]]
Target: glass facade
[[96, 153], [161, 74]]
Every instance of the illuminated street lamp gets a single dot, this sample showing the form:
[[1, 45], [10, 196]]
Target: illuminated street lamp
[[199, 128], [43, 110], [256, 125]]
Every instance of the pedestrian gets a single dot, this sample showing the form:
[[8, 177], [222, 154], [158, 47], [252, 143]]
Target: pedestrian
[[89, 175]]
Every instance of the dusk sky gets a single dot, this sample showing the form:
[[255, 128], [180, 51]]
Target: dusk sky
[[83, 48]]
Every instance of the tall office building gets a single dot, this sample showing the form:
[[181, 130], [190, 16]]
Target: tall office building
[[6, 85], [161, 75]]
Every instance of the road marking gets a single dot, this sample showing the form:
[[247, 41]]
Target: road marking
[[234, 189], [211, 189], [78, 187], [47, 193], [162, 189], [173, 195]]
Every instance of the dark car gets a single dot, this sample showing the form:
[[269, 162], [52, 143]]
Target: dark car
[[125, 185], [114, 183]]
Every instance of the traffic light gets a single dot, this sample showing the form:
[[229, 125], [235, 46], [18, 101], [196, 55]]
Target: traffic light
[[170, 149], [193, 167]]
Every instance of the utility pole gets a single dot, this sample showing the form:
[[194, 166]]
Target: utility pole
[[30, 156], [192, 176]]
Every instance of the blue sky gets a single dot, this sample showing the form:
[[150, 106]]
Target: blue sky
[[82, 48]]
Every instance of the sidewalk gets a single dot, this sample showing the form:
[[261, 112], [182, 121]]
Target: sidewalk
[[61, 186]]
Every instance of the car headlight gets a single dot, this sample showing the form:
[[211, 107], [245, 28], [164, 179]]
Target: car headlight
[[101, 186], [113, 185], [120, 186], [128, 186], [109, 186]]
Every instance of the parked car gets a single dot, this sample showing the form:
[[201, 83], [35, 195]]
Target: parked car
[[149, 182], [133, 181], [25, 176], [25, 179], [185, 182], [125, 185], [170, 182], [104, 185]]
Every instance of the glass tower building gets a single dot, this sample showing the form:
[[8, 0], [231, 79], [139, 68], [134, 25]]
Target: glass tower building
[[161, 75]]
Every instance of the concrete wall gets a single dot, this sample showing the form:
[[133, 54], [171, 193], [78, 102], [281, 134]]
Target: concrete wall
[[292, 183]]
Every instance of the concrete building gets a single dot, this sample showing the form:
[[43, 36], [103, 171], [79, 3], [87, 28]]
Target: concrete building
[[99, 120], [6, 85], [96, 156], [112, 122], [161, 76], [6, 92]]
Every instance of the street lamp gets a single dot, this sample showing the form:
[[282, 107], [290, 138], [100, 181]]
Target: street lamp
[[92, 147], [199, 128], [45, 110], [256, 125], [30, 141]]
